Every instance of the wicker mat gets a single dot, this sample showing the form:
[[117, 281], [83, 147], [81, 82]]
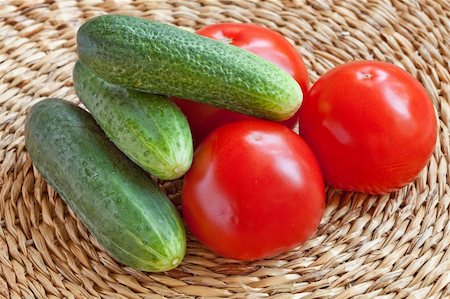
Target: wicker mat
[[392, 246]]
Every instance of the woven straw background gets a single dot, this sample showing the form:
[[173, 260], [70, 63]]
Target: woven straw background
[[392, 246]]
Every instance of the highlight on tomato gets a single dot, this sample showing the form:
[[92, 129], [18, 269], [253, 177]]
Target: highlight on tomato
[[266, 43], [254, 190], [371, 125]]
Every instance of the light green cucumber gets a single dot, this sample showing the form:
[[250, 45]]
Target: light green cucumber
[[150, 129], [115, 199], [162, 59]]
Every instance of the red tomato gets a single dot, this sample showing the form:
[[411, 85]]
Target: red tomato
[[261, 41], [371, 125], [254, 190]]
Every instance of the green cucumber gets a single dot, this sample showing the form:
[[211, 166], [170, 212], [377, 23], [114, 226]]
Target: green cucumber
[[115, 199], [158, 58], [150, 129]]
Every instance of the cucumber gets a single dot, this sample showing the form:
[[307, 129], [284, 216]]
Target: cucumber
[[158, 58], [115, 199], [150, 129]]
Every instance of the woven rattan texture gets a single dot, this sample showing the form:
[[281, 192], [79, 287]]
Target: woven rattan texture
[[392, 246]]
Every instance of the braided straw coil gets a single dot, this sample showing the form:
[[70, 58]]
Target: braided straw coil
[[390, 246]]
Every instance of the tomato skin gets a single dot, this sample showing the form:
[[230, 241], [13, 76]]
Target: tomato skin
[[263, 42], [268, 44], [254, 190], [371, 125]]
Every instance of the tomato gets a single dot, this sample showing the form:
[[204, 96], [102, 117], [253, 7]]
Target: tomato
[[371, 125], [268, 44], [254, 190]]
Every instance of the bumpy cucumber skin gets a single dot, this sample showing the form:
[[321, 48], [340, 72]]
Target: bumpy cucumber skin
[[162, 59], [150, 129], [114, 198]]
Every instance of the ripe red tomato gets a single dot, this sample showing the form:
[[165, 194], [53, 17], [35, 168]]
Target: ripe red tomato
[[268, 44], [371, 125], [254, 190]]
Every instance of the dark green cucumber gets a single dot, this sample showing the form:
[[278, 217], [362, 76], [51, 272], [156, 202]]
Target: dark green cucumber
[[162, 59], [150, 129], [114, 198]]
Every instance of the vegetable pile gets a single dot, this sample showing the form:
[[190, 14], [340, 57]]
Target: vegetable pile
[[253, 188]]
